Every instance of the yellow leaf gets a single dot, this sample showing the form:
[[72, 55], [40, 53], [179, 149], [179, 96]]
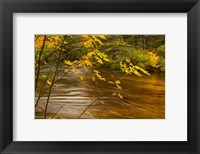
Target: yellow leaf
[[96, 39], [103, 79], [137, 73], [114, 94], [90, 54], [110, 82], [66, 70], [128, 60], [88, 63], [100, 61], [93, 78], [85, 36], [67, 62], [48, 82], [82, 77], [120, 96], [117, 82], [118, 87], [85, 68], [102, 37], [75, 71], [96, 71], [142, 70]]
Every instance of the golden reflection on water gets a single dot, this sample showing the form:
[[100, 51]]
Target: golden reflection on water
[[143, 98]]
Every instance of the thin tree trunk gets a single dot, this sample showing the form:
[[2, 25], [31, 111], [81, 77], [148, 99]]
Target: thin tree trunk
[[40, 93], [39, 62], [52, 83]]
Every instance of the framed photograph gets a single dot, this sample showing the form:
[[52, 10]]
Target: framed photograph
[[99, 76]]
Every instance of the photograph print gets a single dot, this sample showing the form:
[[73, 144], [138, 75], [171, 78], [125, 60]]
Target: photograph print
[[99, 76]]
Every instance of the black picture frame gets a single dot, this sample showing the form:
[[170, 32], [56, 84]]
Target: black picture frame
[[8, 7]]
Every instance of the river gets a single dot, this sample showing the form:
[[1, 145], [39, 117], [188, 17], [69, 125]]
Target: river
[[72, 98]]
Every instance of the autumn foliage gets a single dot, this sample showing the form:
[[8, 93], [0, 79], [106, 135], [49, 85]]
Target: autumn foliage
[[87, 55]]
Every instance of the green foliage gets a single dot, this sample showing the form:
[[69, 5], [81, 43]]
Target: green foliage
[[161, 60], [161, 51]]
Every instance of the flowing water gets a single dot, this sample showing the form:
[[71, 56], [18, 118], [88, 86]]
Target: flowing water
[[72, 98]]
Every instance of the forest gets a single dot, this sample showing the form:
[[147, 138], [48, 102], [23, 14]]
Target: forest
[[99, 76]]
